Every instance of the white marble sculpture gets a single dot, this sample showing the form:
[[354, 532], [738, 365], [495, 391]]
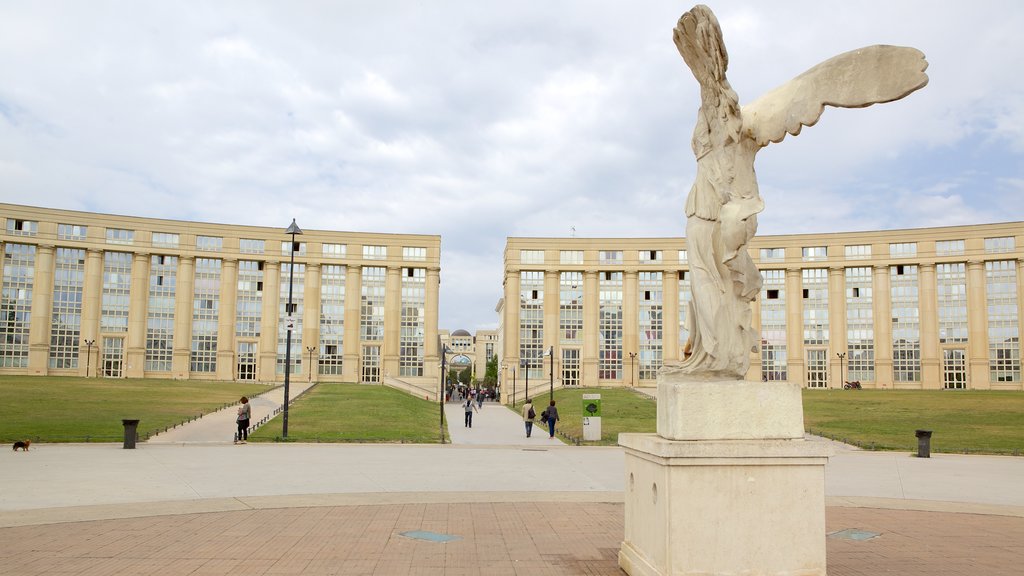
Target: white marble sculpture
[[722, 207]]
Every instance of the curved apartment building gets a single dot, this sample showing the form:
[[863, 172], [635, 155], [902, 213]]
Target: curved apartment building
[[117, 296], [923, 308]]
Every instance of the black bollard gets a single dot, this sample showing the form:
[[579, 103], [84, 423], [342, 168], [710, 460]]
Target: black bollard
[[130, 429]]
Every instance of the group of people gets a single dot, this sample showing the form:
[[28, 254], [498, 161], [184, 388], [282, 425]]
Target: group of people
[[549, 416]]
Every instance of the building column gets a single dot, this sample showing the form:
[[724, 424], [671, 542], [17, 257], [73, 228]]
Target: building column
[[977, 327], [42, 300], [591, 323], [138, 300], [837, 326], [1020, 312], [431, 359], [266, 370], [92, 294], [552, 303], [931, 369], [226, 319], [670, 317], [392, 320], [353, 304], [311, 322], [513, 304], [882, 304], [630, 328], [183, 318], [795, 328]]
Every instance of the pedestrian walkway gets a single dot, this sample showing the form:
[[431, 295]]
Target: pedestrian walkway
[[219, 427], [495, 425]]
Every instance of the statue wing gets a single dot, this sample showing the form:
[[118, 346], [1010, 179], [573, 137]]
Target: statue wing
[[854, 79]]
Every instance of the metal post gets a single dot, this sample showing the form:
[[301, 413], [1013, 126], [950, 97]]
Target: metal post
[[842, 356], [526, 391], [88, 356], [444, 378], [309, 375], [632, 356], [552, 370], [513, 386], [293, 230]]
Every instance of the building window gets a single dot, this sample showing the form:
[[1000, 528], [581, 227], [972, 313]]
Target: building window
[[298, 282], [205, 316], [531, 320], [414, 254], [119, 236], [949, 248], [287, 247], [249, 299], [375, 252], [16, 304], [17, 227], [1003, 321], [531, 256], [858, 252], [999, 245], [163, 274], [860, 325], [117, 280], [906, 326], [412, 335], [652, 324], [332, 319], [371, 323], [570, 308], [903, 249], [773, 254], [773, 326], [952, 302], [610, 256], [71, 232], [334, 250], [165, 240], [649, 256], [66, 320], [250, 246], [609, 363], [814, 253], [209, 243], [683, 257], [570, 256], [815, 306]]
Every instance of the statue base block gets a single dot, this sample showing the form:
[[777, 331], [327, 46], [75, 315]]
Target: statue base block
[[728, 486]]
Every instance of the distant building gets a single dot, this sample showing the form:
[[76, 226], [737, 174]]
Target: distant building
[[474, 351], [908, 309], [120, 296]]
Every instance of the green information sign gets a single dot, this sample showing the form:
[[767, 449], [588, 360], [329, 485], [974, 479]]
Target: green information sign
[[591, 405]]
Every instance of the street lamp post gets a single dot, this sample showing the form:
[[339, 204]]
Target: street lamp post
[[526, 391], [289, 324], [632, 356], [88, 355], [551, 373], [513, 386], [309, 375], [842, 356], [444, 378]]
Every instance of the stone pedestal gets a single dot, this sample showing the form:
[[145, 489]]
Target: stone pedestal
[[728, 486]]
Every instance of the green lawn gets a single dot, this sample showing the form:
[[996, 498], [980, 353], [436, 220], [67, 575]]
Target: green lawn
[[69, 409], [960, 420], [622, 410], [356, 413]]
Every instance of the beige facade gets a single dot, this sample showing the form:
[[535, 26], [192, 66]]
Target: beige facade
[[915, 309], [478, 348], [119, 296]]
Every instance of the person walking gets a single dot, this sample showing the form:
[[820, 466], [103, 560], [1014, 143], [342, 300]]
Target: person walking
[[468, 405], [550, 416], [244, 413], [528, 415]]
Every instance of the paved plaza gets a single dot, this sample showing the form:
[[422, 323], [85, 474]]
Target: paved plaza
[[493, 502]]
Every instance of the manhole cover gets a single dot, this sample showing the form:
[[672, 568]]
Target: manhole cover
[[429, 536], [854, 534]]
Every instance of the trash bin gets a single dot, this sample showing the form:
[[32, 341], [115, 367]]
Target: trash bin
[[130, 429], [924, 443]]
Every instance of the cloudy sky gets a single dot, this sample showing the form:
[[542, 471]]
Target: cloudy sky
[[480, 120]]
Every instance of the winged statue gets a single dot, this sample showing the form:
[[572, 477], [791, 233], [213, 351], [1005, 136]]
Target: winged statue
[[722, 206]]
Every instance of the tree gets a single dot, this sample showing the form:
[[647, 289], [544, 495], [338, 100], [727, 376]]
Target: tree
[[491, 374]]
